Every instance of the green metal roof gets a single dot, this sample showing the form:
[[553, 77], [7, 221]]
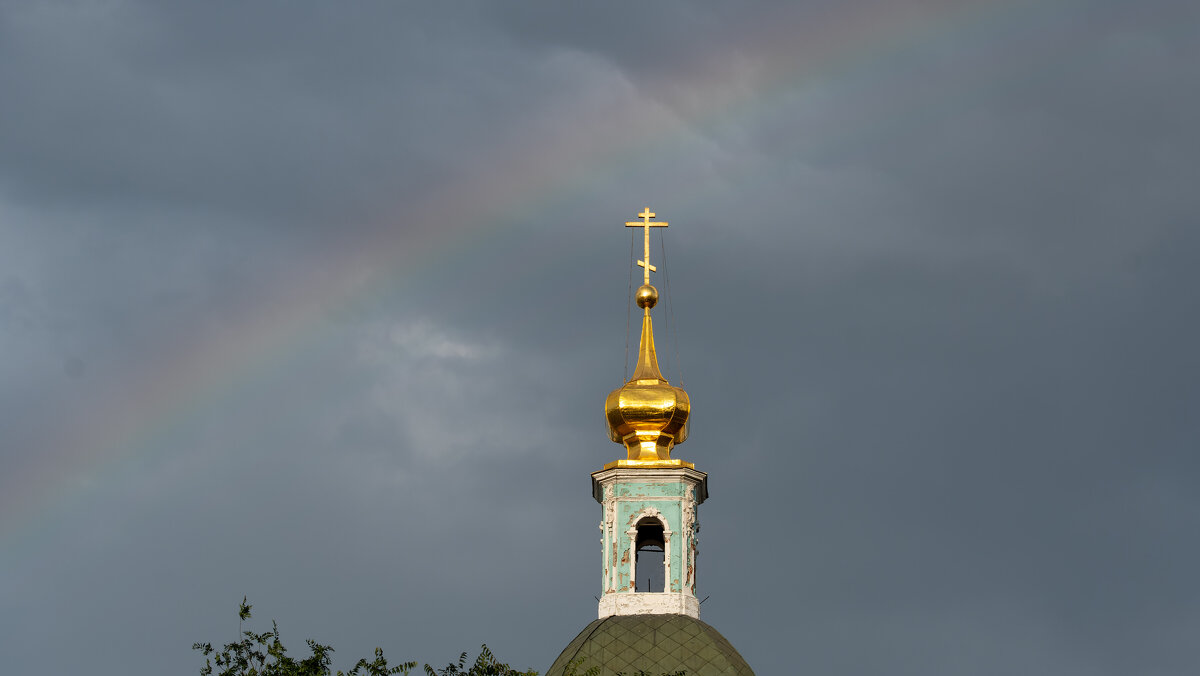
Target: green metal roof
[[654, 643]]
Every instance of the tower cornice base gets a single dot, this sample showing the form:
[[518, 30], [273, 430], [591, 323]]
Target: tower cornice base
[[649, 603]]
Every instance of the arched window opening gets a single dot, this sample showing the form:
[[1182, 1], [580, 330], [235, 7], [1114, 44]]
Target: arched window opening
[[649, 576]]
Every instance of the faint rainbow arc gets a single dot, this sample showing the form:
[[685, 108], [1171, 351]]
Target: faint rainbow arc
[[164, 394]]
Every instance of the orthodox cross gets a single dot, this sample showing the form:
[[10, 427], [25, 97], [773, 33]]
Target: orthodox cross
[[645, 224]]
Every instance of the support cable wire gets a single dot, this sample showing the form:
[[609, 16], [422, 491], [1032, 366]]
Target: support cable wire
[[629, 305], [674, 335], [667, 329]]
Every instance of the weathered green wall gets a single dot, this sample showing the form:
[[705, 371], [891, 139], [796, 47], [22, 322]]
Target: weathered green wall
[[667, 499]]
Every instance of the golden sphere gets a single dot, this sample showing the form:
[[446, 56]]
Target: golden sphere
[[647, 296]]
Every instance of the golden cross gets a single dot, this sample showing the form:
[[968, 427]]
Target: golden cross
[[646, 225]]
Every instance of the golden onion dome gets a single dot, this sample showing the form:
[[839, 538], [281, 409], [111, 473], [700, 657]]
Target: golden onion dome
[[647, 414]]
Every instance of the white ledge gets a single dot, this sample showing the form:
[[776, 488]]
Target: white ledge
[[649, 603]]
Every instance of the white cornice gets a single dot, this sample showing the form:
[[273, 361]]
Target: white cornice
[[649, 603]]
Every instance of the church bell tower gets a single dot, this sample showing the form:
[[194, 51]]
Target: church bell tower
[[649, 498], [649, 616]]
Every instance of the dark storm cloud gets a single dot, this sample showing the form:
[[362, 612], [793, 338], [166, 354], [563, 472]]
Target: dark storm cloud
[[257, 109], [936, 312]]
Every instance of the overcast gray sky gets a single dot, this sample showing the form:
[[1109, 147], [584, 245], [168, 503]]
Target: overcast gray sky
[[318, 303]]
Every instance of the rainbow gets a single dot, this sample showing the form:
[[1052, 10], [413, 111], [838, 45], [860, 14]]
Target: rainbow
[[768, 61]]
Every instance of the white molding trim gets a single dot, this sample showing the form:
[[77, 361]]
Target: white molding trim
[[649, 603]]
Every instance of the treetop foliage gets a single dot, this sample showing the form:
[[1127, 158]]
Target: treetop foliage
[[263, 654]]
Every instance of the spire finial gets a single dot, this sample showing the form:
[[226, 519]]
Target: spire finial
[[648, 414], [646, 297]]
